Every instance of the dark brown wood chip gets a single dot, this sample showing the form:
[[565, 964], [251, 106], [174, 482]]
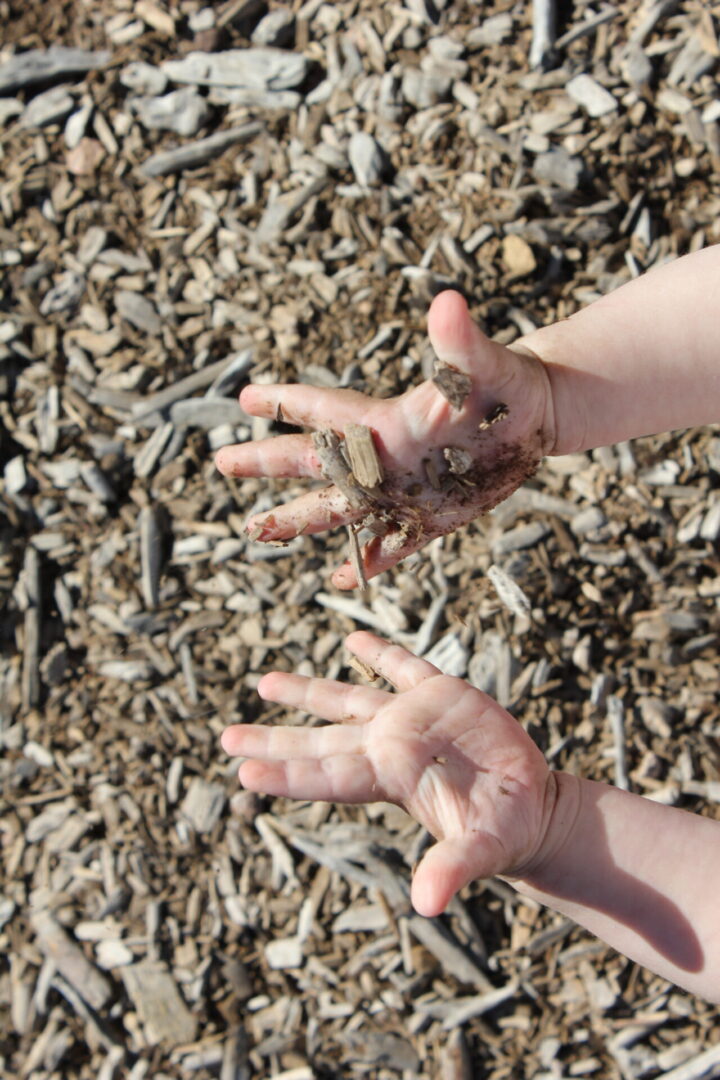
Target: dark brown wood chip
[[496, 414], [452, 383]]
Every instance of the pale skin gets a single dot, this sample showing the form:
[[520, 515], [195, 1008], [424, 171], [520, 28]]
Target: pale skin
[[642, 876]]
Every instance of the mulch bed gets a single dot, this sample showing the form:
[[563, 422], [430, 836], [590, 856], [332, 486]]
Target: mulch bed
[[156, 921]]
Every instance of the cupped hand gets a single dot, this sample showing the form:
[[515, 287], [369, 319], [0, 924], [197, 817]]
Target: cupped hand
[[448, 754], [444, 464]]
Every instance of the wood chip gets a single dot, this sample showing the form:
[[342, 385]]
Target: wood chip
[[70, 961], [356, 557], [199, 152], [203, 804], [452, 383], [334, 467], [363, 669], [162, 1012], [459, 461], [134, 308], [44, 65], [364, 461]]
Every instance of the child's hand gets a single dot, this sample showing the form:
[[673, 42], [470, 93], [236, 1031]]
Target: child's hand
[[450, 755], [443, 465]]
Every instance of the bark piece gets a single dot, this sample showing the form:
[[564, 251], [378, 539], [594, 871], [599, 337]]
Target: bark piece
[[138, 311], [594, 98], [334, 467], [182, 111], [452, 383], [162, 1011], [203, 805], [543, 35], [33, 621], [70, 961], [260, 68], [364, 461], [150, 556], [41, 65], [356, 557], [50, 107], [509, 592], [518, 256], [178, 391], [197, 153], [459, 461], [496, 414]]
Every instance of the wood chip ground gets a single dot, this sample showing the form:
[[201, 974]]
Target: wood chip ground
[[288, 215]]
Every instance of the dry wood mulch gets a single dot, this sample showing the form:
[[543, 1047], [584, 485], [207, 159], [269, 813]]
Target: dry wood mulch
[[191, 197]]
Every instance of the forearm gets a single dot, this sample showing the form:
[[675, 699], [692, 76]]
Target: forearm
[[642, 876], [643, 359]]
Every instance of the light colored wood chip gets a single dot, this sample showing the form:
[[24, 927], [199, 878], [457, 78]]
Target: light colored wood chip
[[356, 557], [363, 669], [459, 461], [364, 461], [70, 960], [163, 1013]]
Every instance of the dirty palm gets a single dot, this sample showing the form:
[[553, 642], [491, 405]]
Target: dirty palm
[[448, 449]]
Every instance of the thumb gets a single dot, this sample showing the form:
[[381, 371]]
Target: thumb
[[459, 341], [450, 865]]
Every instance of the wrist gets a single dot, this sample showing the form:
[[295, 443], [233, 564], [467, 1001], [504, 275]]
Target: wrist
[[529, 348], [563, 812]]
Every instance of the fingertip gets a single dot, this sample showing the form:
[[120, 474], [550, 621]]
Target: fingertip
[[355, 641], [448, 304], [448, 296], [226, 740], [264, 687], [425, 899], [245, 398], [243, 774], [344, 578]]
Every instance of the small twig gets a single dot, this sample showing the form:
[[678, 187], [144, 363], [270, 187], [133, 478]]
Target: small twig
[[616, 716], [587, 27], [334, 467], [33, 619], [363, 669], [543, 35]]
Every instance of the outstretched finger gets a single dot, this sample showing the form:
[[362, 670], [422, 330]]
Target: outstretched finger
[[286, 743], [307, 406], [397, 665], [284, 455], [326, 698], [348, 778], [314, 512]]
